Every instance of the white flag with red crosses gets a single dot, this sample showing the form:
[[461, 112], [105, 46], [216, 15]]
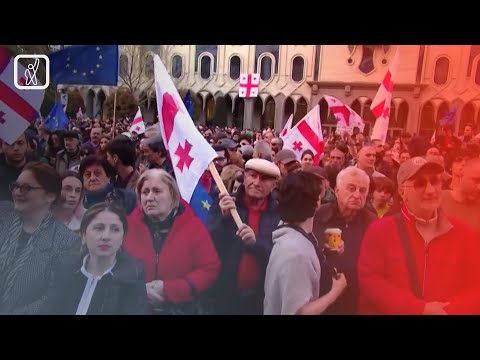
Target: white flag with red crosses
[[346, 117], [189, 151], [18, 108], [381, 105], [137, 124], [306, 134], [287, 127], [248, 85]]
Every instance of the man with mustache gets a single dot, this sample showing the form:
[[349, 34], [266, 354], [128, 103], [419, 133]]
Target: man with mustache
[[420, 261]]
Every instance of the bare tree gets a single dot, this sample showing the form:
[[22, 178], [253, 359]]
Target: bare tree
[[137, 72]]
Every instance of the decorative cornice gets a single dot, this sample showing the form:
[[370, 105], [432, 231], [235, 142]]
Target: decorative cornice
[[316, 85]]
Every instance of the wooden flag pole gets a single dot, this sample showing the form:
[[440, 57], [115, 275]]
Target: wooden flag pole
[[114, 110], [223, 190]]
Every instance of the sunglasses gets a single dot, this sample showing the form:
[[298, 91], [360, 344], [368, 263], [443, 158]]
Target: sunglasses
[[420, 184], [24, 188]]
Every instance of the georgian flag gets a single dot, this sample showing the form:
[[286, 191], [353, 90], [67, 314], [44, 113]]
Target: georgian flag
[[137, 124], [346, 118], [248, 85], [287, 127], [306, 134], [18, 108], [189, 152], [382, 103]]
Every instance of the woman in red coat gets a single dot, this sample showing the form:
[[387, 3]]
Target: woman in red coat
[[180, 260]]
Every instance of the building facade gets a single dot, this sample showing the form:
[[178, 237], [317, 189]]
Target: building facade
[[431, 79]]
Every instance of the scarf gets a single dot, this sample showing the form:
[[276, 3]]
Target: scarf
[[10, 264], [160, 229], [94, 197]]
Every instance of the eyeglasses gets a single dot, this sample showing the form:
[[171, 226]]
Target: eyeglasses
[[420, 184], [24, 188]]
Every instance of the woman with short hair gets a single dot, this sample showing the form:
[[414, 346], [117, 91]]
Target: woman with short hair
[[180, 259], [31, 239]]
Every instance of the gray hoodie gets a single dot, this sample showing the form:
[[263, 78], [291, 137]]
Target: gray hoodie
[[293, 273]]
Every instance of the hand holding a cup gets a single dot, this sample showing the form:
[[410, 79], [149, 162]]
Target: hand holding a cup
[[333, 240]]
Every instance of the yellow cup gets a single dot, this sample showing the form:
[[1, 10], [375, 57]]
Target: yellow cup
[[333, 237]]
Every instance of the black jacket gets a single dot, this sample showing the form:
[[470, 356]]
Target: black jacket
[[352, 234], [123, 293], [230, 249]]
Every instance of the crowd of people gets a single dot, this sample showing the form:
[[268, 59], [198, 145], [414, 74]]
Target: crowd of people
[[92, 222]]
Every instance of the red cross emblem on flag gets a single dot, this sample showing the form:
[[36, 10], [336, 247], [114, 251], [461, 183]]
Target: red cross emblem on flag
[[184, 154], [297, 146], [248, 85]]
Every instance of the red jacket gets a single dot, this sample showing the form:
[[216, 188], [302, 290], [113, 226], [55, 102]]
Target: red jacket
[[448, 269], [187, 253]]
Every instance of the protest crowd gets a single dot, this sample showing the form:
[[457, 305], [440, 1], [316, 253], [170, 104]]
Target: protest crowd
[[92, 222], [114, 216]]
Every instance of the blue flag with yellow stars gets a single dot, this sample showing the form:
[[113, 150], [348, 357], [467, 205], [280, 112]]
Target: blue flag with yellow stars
[[57, 119], [85, 65], [201, 202]]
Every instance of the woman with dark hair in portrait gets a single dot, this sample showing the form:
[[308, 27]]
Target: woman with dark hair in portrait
[[31, 239], [101, 279], [297, 280], [307, 159], [181, 263], [97, 176], [70, 210], [103, 145]]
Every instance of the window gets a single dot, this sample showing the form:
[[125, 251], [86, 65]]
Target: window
[[123, 66], [205, 67], [200, 50], [366, 64], [266, 68], [477, 73], [177, 65], [273, 50], [235, 66], [149, 66], [298, 66], [441, 71]]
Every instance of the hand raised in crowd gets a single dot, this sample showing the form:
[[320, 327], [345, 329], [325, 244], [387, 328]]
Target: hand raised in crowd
[[142, 168], [247, 235], [155, 292], [226, 203], [435, 308]]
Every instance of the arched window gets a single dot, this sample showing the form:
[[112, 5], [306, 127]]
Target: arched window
[[123, 66], [235, 66], [266, 68], [298, 66], [477, 72], [441, 71], [301, 110], [205, 67], [149, 66], [427, 120], [177, 66]]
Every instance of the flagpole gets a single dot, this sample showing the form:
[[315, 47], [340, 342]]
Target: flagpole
[[223, 190], [114, 110]]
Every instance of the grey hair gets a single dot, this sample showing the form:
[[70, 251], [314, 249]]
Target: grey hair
[[354, 172], [164, 177], [264, 149], [155, 143]]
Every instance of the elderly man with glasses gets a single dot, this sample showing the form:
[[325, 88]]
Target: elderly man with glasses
[[420, 261]]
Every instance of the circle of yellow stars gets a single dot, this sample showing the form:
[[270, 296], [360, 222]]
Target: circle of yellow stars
[[98, 65]]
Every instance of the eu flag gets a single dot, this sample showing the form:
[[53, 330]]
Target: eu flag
[[57, 119], [201, 202], [85, 65], [449, 118], [188, 103]]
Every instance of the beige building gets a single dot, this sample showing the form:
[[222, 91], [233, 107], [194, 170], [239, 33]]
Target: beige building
[[431, 79]]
